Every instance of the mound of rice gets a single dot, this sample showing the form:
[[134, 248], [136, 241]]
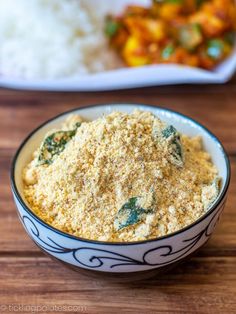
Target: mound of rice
[[53, 38]]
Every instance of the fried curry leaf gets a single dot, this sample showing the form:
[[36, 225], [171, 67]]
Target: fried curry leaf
[[171, 138], [168, 131], [130, 213], [174, 145], [54, 144]]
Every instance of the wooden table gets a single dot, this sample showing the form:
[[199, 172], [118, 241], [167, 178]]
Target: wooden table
[[204, 284]]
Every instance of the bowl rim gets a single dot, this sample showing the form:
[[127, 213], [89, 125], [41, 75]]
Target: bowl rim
[[77, 238]]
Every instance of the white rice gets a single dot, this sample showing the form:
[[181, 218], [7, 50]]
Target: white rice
[[53, 38]]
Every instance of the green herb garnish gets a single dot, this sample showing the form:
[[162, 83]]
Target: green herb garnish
[[111, 27], [215, 48], [130, 213], [167, 51], [174, 145], [54, 144]]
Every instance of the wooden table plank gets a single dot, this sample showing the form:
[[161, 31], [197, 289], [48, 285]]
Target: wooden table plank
[[193, 287]]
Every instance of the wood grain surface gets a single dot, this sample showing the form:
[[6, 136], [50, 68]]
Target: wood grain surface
[[32, 282]]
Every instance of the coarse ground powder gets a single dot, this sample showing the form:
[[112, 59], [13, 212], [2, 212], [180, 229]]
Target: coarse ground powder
[[111, 160]]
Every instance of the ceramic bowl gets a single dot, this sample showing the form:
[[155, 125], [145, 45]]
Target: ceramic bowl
[[141, 256]]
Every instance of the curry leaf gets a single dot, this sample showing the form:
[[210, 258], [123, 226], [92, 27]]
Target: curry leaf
[[174, 145], [54, 144], [130, 213]]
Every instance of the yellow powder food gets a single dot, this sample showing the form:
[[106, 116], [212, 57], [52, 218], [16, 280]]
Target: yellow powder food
[[122, 177]]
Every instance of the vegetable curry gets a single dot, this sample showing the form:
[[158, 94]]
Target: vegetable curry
[[197, 33]]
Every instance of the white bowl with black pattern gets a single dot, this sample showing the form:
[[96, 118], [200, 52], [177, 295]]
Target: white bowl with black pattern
[[156, 254]]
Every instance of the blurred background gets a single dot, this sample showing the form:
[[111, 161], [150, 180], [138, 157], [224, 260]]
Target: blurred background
[[83, 45]]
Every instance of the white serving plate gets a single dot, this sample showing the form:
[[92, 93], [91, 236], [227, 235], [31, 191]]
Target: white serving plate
[[153, 75]]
